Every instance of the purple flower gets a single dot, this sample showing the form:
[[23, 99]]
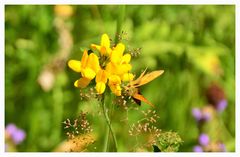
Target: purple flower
[[197, 114], [203, 139], [197, 148], [200, 115], [222, 147], [206, 116], [221, 105], [16, 134], [11, 129]]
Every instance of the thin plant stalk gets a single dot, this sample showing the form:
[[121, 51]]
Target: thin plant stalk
[[109, 127], [109, 130], [121, 15], [106, 140]]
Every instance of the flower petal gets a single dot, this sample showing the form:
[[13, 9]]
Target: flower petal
[[127, 77], [93, 62], [105, 42], [94, 46], [111, 68], [104, 47], [115, 57], [88, 73], [101, 76], [114, 79], [126, 58], [75, 65], [84, 59], [114, 84], [82, 82], [120, 49], [100, 87], [116, 89], [123, 68], [126, 67], [117, 53]]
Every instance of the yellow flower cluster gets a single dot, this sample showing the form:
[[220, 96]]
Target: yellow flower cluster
[[112, 67]]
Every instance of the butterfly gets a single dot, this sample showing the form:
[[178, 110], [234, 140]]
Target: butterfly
[[132, 87]]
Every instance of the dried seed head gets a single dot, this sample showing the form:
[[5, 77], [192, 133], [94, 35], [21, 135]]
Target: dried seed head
[[145, 127], [122, 36], [88, 93], [135, 52], [79, 126]]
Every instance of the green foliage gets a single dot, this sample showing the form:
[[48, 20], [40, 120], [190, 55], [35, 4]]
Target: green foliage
[[169, 142], [194, 44]]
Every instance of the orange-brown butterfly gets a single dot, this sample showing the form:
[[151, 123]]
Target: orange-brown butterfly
[[132, 87]]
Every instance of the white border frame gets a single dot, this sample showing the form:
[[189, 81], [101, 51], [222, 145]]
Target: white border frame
[[141, 2]]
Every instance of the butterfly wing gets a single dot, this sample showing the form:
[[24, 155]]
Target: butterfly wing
[[149, 77], [141, 80], [137, 101], [135, 82], [142, 98]]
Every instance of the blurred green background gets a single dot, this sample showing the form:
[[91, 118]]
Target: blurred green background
[[195, 45]]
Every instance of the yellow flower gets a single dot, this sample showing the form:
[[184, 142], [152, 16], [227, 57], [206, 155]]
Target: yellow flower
[[104, 47], [114, 69], [117, 53], [119, 63], [88, 67], [114, 84], [127, 77], [101, 80]]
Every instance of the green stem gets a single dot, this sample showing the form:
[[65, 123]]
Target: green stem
[[106, 142], [109, 129], [120, 20], [111, 109]]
